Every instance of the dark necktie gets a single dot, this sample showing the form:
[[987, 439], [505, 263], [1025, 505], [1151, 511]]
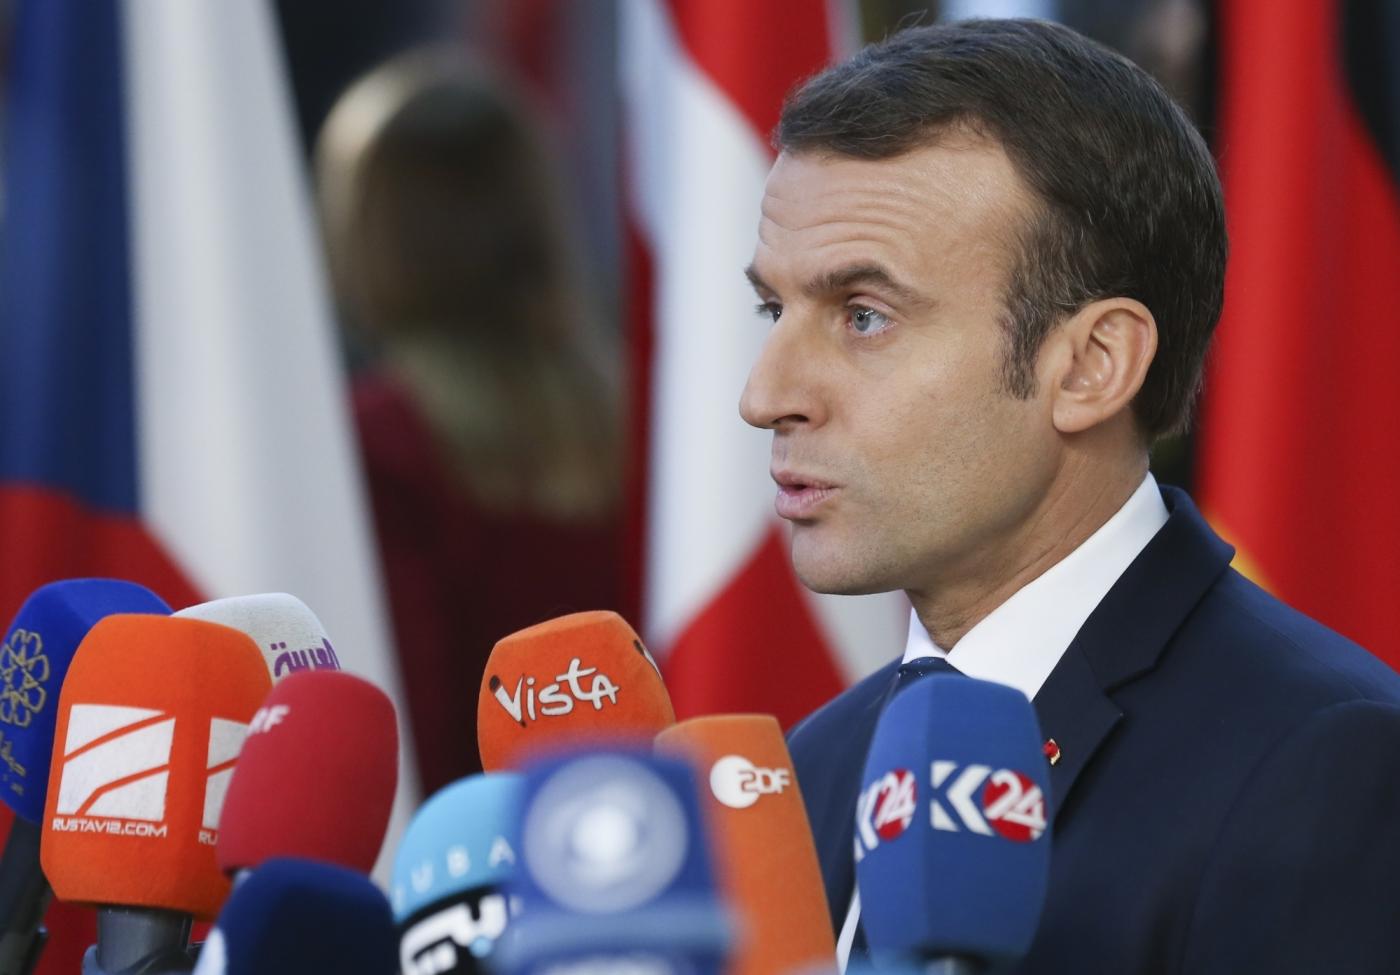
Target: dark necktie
[[912, 670], [909, 672]]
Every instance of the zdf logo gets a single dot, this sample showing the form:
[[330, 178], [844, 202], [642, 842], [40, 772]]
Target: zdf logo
[[738, 782]]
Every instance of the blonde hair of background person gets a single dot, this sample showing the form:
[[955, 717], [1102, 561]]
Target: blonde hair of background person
[[447, 246]]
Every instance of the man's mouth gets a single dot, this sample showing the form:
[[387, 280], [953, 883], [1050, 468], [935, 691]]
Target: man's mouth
[[799, 496]]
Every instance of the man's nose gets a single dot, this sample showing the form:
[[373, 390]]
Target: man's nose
[[780, 392]]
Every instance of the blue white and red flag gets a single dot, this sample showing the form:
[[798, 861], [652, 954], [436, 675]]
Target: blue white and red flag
[[172, 397]]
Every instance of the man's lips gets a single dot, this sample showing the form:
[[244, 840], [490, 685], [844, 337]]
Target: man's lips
[[799, 496]]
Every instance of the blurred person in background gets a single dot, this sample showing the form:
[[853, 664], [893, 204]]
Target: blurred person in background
[[483, 390]]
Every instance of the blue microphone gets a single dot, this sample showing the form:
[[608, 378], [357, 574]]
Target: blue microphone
[[34, 659], [615, 874], [951, 844], [295, 917], [450, 872]]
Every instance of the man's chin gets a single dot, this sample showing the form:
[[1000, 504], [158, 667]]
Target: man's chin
[[831, 579], [825, 588], [825, 563]]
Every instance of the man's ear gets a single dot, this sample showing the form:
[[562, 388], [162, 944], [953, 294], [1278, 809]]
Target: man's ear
[[1105, 350]]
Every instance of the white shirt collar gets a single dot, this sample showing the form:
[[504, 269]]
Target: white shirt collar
[[1020, 641]]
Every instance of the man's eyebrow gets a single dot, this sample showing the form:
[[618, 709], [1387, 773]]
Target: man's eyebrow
[[844, 278], [758, 283]]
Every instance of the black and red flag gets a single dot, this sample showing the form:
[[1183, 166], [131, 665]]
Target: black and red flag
[[1300, 442]]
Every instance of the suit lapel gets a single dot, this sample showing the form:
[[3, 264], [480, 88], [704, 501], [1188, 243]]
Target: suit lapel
[[834, 826], [1075, 712], [1123, 639]]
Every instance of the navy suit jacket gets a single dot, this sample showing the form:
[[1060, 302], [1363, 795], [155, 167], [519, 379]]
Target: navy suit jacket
[[1228, 794]]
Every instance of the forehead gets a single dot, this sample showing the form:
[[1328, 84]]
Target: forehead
[[926, 213]]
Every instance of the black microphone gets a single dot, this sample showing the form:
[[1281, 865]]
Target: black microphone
[[293, 916]]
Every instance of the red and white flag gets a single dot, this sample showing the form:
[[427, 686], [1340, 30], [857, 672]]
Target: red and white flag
[[703, 82]]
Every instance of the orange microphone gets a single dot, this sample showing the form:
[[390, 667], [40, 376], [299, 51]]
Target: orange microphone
[[151, 717], [761, 840], [573, 680]]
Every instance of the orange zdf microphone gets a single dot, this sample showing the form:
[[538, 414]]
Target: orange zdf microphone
[[151, 717], [761, 839], [317, 775], [575, 679]]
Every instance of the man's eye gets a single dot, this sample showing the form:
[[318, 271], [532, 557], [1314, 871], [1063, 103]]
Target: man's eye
[[769, 310], [868, 321]]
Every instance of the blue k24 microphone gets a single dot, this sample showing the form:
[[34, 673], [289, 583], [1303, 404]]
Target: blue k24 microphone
[[952, 838]]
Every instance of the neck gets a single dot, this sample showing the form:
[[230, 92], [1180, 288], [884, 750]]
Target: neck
[[1076, 505]]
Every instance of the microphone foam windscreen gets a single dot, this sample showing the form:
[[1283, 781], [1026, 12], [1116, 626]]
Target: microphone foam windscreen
[[951, 837], [317, 775], [578, 679], [762, 842], [289, 635], [301, 917], [150, 720], [33, 663], [462, 838], [613, 859], [450, 873]]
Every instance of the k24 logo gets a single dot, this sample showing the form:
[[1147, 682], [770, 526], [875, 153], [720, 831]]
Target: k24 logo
[[971, 798], [1000, 802], [885, 810]]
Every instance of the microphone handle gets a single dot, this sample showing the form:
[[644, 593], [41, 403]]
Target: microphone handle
[[24, 897], [140, 941], [950, 965], [90, 966]]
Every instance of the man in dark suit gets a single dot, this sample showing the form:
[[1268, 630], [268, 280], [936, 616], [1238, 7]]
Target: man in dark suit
[[993, 255]]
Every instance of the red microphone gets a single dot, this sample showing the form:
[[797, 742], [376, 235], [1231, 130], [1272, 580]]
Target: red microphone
[[317, 775]]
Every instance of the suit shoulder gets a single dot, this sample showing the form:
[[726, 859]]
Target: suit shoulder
[[1286, 649], [835, 715], [1325, 903]]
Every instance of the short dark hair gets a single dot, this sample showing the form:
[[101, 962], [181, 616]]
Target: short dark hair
[[1130, 199]]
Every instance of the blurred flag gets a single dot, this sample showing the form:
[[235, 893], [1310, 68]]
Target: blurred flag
[[1300, 455], [173, 404], [703, 81]]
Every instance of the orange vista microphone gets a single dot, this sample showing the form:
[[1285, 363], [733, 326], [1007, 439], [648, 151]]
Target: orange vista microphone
[[151, 717], [576, 679], [761, 839]]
